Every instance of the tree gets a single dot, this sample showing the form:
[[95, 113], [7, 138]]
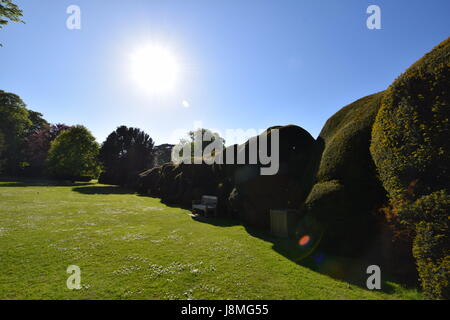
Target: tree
[[204, 137], [37, 122], [73, 155], [9, 12], [15, 123], [126, 151], [162, 154], [197, 140], [37, 145]]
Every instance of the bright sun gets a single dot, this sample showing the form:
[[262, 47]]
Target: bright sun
[[154, 69]]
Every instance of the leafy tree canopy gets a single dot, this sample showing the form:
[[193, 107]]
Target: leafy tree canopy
[[14, 116], [37, 121], [14, 123], [126, 151], [73, 154], [162, 154], [37, 145], [199, 138], [9, 12]]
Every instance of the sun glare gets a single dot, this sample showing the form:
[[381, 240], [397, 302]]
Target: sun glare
[[154, 69]]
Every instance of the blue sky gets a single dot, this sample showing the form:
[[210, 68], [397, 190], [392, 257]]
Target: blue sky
[[243, 64]]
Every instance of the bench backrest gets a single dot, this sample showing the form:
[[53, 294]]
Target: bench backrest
[[209, 200]]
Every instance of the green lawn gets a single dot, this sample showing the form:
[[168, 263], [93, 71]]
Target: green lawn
[[134, 247]]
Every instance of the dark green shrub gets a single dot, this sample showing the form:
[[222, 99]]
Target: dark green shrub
[[167, 182], [346, 137], [182, 183], [431, 245], [286, 189], [192, 181], [347, 191], [410, 147], [326, 201], [148, 181]]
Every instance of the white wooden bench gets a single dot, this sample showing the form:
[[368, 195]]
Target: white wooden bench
[[207, 204]]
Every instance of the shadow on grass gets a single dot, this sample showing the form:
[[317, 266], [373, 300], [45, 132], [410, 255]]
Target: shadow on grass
[[352, 270], [347, 269], [106, 189], [218, 222], [5, 182]]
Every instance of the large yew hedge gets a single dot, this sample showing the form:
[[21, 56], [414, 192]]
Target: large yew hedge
[[410, 147]]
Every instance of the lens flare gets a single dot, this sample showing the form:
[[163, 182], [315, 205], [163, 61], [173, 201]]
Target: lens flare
[[304, 240], [318, 258]]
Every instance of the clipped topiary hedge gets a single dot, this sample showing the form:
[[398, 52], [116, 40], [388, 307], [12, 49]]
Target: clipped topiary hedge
[[403, 133], [347, 191], [255, 194], [410, 147], [346, 137], [149, 180], [243, 192]]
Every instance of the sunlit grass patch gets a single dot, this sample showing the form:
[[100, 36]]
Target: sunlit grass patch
[[133, 247]]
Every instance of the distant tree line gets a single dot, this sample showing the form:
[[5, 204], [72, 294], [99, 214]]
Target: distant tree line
[[32, 147]]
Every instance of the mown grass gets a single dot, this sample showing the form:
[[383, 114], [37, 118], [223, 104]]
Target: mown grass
[[134, 247]]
